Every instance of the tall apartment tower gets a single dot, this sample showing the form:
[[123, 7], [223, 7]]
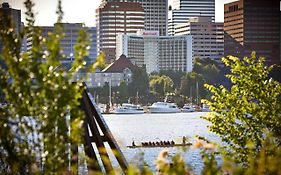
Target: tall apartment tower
[[71, 31], [113, 18], [207, 37], [182, 10], [13, 14], [252, 25], [156, 14]]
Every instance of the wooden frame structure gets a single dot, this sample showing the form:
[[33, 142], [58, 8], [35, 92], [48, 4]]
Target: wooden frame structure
[[97, 132]]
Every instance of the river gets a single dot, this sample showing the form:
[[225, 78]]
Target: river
[[156, 127]]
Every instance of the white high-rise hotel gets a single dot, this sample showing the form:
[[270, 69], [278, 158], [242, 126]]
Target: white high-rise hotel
[[182, 10], [156, 52]]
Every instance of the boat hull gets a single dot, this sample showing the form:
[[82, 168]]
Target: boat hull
[[163, 110], [156, 146], [188, 110], [128, 111]]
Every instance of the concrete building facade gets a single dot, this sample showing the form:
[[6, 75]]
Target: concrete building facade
[[71, 31], [157, 52], [252, 25], [182, 10], [156, 14], [207, 37], [113, 18]]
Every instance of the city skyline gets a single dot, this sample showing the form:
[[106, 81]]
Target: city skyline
[[46, 16]]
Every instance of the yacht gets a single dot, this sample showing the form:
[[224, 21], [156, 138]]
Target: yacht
[[163, 107], [188, 108], [128, 108]]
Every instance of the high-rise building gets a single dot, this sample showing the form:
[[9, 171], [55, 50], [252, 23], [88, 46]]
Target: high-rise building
[[252, 25], [13, 16], [182, 10], [156, 52], [207, 37], [113, 18], [71, 31], [156, 14]]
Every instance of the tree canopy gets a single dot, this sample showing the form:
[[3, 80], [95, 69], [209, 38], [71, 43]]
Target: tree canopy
[[246, 114]]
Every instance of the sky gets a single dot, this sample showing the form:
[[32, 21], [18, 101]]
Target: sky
[[76, 11]]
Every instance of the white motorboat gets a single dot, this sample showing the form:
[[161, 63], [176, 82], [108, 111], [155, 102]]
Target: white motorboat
[[188, 108], [128, 108], [163, 107]]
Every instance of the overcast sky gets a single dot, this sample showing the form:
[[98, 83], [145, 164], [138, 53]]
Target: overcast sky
[[78, 10]]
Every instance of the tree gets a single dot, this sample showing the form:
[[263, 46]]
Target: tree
[[208, 68], [42, 102], [174, 75], [246, 114], [140, 83], [123, 92], [189, 84], [161, 84]]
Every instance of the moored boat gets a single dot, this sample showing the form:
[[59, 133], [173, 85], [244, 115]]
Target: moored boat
[[188, 108], [128, 108], [163, 107]]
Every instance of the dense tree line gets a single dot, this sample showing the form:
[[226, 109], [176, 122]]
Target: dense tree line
[[178, 86]]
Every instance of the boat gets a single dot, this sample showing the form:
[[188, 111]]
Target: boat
[[197, 108], [156, 146], [128, 108], [163, 107], [187, 108]]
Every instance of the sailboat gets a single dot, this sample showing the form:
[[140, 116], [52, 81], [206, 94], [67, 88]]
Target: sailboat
[[129, 108]]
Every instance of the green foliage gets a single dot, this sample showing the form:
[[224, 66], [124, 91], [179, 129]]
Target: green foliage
[[161, 84], [189, 84], [42, 103], [244, 115], [140, 83], [42, 100], [123, 92], [208, 68], [174, 75]]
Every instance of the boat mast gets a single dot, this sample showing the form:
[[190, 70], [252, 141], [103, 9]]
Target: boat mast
[[197, 99], [110, 103], [190, 94], [137, 98]]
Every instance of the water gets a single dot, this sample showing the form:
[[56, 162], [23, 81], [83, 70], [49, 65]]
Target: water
[[157, 127]]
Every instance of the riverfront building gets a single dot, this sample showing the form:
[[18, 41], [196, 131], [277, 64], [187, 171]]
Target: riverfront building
[[252, 25], [113, 18], [156, 52], [156, 14], [121, 70], [182, 10], [207, 37]]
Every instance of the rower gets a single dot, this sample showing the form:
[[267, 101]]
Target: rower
[[183, 139], [133, 143]]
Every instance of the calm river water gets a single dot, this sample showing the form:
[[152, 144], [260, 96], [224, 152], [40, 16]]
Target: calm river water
[[157, 127]]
